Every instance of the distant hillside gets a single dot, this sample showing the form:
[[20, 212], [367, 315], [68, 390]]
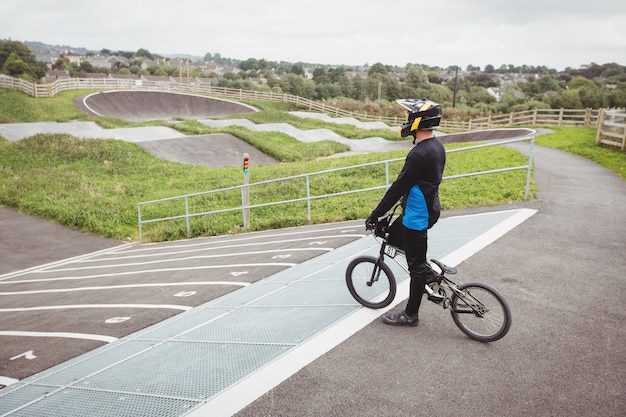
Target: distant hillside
[[40, 46]]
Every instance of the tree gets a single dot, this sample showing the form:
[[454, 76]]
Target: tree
[[579, 81], [319, 75], [377, 68], [297, 69], [335, 75], [141, 52], [16, 67], [35, 69], [566, 99], [248, 64], [416, 78]]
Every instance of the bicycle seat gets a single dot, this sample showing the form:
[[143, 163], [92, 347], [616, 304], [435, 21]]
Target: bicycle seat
[[445, 268]]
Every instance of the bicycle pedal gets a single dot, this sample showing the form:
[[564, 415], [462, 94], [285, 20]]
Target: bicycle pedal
[[436, 298]]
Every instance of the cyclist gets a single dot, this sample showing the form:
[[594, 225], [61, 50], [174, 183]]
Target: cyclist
[[418, 187]]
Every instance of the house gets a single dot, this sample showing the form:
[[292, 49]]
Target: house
[[100, 62], [72, 57], [53, 75], [147, 63], [49, 57], [118, 62], [124, 76], [96, 75], [205, 82]]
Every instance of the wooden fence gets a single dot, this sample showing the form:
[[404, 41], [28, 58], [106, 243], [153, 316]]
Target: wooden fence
[[612, 128], [548, 117]]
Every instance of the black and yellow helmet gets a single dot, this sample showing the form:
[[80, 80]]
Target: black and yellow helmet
[[422, 114]]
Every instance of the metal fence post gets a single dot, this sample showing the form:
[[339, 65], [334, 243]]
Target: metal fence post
[[387, 174], [187, 217], [139, 220], [308, 197], [530, 167]]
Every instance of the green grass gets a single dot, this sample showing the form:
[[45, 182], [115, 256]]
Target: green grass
[[581, 141], [95, 185], [17, 107]]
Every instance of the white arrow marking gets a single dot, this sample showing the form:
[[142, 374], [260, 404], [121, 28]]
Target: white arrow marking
[[236, 274], [115, 320], [281, 256], [318, 243], [185, 294], [27, 355]]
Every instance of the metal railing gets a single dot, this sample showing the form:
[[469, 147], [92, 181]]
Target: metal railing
[[245, 206]]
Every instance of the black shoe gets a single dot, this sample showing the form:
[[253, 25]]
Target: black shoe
[[401, 319]]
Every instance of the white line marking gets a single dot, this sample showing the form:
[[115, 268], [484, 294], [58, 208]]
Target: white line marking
[[6, 381], [84, 336], [237, 242], [148, 271], [161, 255], [65, 261], [137, 253], [87, 106], [84, 306], [114, 287]]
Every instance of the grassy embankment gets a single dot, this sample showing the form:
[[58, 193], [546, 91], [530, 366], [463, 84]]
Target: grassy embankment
[[95, 185]]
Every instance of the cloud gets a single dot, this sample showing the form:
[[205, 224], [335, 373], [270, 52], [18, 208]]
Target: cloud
[[555, 33]]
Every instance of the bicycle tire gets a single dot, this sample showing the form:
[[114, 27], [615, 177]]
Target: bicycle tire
[[376, 295], [482, 313]]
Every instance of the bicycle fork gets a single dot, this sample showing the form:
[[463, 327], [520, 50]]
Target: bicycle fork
[[376, 270]]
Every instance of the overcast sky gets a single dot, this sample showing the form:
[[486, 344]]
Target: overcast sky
[[554, 33]]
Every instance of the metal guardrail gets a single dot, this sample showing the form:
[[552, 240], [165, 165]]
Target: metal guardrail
[[246, 188]]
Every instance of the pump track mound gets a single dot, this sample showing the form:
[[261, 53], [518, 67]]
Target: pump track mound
[[141, 106], [222, 149]]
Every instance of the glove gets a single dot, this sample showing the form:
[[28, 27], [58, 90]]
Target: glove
[[370, 222]]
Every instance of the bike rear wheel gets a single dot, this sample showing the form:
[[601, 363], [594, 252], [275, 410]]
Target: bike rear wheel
[[481, 312], [371, 282]]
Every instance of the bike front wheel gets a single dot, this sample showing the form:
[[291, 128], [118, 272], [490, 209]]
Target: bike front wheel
[[371, 282], [481, 312]]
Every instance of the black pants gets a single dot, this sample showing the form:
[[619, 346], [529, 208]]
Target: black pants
[[415, 247]]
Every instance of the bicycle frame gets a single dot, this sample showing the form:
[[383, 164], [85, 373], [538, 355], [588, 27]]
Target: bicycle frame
[[443, 282]]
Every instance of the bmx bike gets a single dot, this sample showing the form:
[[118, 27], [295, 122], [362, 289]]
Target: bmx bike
[[477, 309]]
